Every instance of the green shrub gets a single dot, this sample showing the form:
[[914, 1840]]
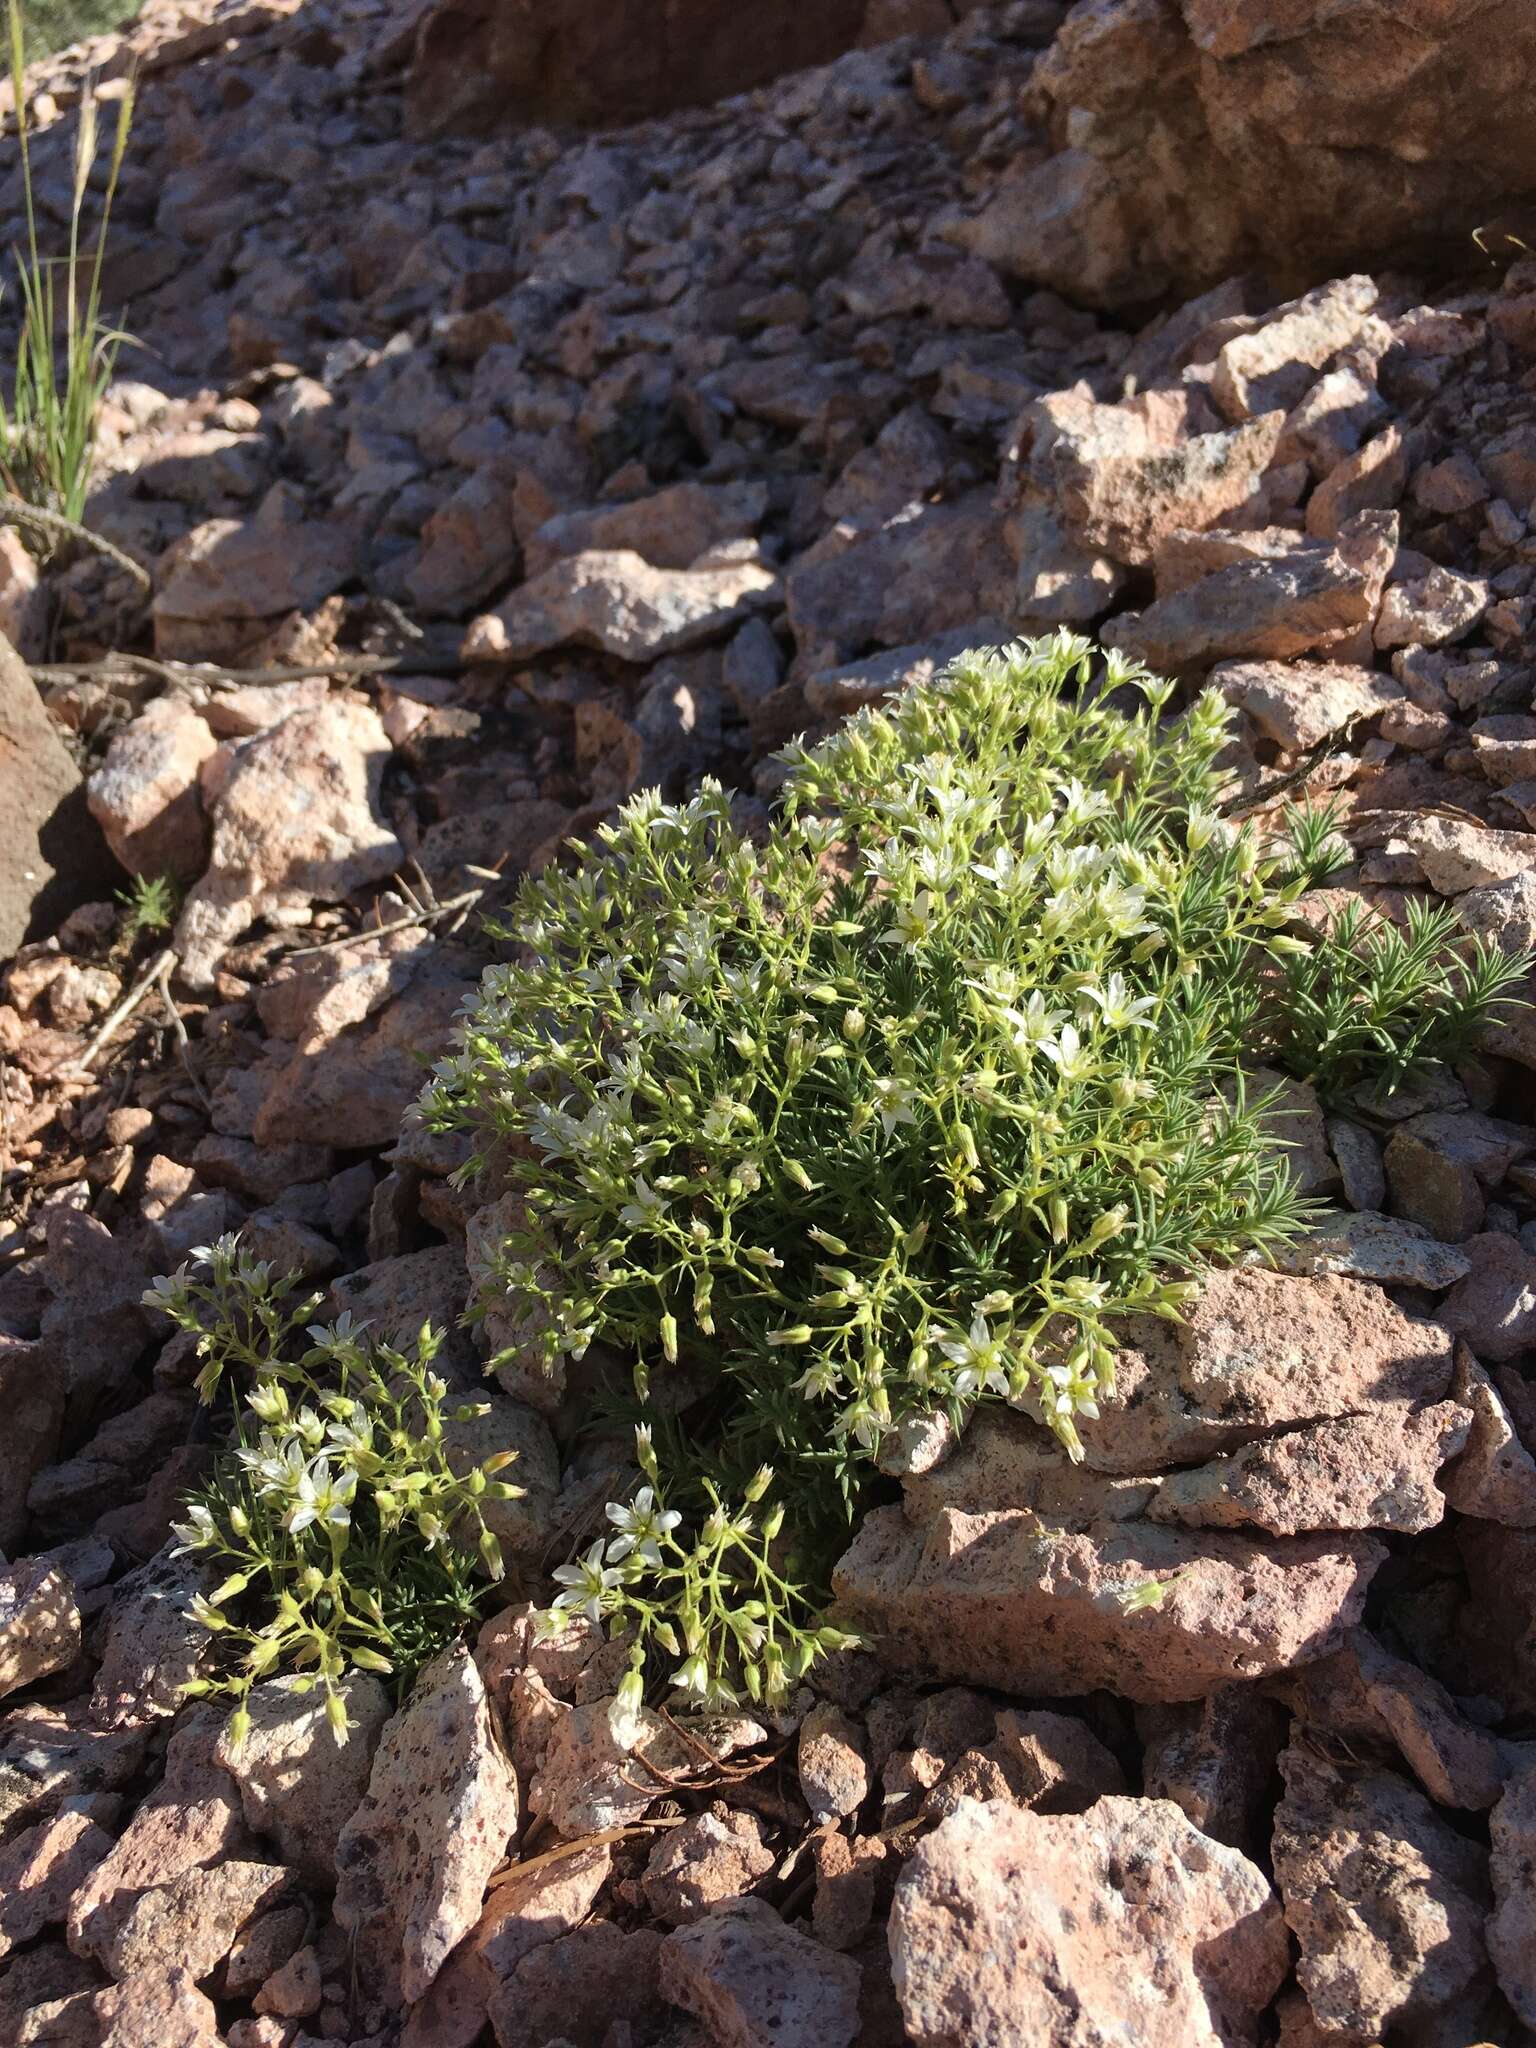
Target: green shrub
[[899, 1111], [66, 352], [346, 1540]]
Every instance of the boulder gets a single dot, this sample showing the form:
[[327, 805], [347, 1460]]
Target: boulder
[[1124, 1923], [757, 1983], [479, 64], [52, 857], [1195, 140], [439, 1811]]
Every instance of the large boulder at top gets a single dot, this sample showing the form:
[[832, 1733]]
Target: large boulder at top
[[52, 856], [481, 63], [1198, 138]]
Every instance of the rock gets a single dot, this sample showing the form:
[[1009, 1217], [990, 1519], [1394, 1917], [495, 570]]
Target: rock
[[1052, 1762], [297, 820], [1455, 854], [263, 1946], [1370, 1471], [1258, 1351], [713, 1856], [1121, 477], [1312, 596], [33, 1391], [441, 1805], [670, 529], [49, 1755], [153, 1645], [586, 1783], [571, 1988], [1370, 479], [1457, 1764], [1438, 1166], [52, 857], [229, 581], [1494, 1307], [756, 1983], [931, 569], [189, 1822], [1273, 365], [528, 1910], [1000, 1933], [1367, 1246], [1215, 1759], [1494, 1477], [994, 1600], [192, 1921], [1385, 1900], [294, 1991], [1298, 704], [468, 71], [522, 1525], [1495, 1640], [833, 1765], [145, 796], [160, 2005], [1512, 1868], [297, 1784], [43, 1867], [39, 1623], [509, 1327], [869, 682], [1241, 112], [615, 601], [1432, 610]]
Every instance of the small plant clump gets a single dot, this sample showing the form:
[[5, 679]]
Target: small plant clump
[[65, 352], [149, 905], [346, 1539], [899, 1111]]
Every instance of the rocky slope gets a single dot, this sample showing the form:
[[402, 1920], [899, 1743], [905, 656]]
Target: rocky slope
[[546, 466]]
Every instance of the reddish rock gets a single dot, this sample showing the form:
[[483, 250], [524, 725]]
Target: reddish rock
[[714, 1856], [999, 1931], [1512, 1868], [996, 1600], [1386, 1901], [145, 795], [756, 1983]]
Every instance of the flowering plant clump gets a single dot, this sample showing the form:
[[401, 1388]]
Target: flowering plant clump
[[346, 1539], [897, 1112]]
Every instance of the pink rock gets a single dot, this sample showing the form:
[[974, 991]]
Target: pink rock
[[440, 1809], [1215, 1759], [714, 1856], [1317, 596], [1494, 1478], [49, 1755], [229, 572], [1000, 1931], [756, 1983], [1275, 364], [298, 821], [1297, 704], [45, 1865], [297, 1784], [572, 1987], [190, 1820], [1494, 1308], [160, 2005], [833, 1765], [194, 1920], [670, 528], [1512, 1867], [1386, 1901], [996, 1600], [145, 794], [39, 1622], [527, 1911], [614, 600], [1370, 1471]]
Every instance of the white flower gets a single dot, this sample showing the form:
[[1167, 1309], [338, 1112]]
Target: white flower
[[320, 1497], [647, 1207], [1120, 1009], [195, 1532], [1121, 910], [1034, 1024], [913, 923], [586, 1583], [641, 1525], [978, 1355], [895, 1099], [1082, 806], [1073, 1059]]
